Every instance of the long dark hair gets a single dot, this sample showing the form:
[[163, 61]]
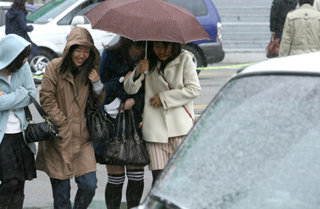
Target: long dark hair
[[19, 5], [83, 71], [153, 59], [306, 2], [122, 49], [17, 63]]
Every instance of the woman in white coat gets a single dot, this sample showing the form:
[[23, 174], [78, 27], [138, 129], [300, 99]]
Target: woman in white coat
[[171, 84]]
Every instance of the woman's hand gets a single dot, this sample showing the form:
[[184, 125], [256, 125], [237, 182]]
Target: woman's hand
[[142, 67], [155, 101], [1, 93], [128, 104], [94, 76]]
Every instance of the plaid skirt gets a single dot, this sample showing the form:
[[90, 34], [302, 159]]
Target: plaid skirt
[[16, 159], [160, 153]]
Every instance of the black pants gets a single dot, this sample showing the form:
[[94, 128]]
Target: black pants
[[11, 194]]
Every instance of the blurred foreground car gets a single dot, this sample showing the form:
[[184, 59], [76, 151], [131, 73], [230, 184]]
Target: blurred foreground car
[[256, 146], [5, 6]]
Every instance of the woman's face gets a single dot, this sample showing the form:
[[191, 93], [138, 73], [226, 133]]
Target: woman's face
[[80, 55], [135, 52], [162, 52]]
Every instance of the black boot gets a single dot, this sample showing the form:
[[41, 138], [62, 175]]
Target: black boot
[[113, 192], [155, 174], [135, 187]]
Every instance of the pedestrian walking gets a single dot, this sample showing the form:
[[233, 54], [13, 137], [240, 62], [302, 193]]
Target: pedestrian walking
[[117, 63], [16, 23], [171, 84], [63, 95], [301, 30], [278, 13], [316, 5], [17, 162]]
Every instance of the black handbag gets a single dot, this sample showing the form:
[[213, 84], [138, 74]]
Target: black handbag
[[130, 150], [43, 131], [99, 124]]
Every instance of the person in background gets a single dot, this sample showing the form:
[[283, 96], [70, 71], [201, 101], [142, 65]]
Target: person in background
[[16, 23], [301, 30], [117, 63], [171, 84], [63, 95], [278, 13], [316, 5], [17, 162]]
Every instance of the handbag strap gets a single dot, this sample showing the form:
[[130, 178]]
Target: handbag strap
[[28, 114], [136, 136], [193, 120]]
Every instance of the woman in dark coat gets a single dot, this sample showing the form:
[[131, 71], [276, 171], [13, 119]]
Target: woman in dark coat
[[278, 14], [116, 64], [16, 23]]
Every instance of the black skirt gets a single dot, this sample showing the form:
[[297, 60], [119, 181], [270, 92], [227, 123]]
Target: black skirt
[[16, 159]]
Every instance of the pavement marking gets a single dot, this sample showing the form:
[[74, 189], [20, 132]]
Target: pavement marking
[[200, 107], [217, 73], [225, 66]]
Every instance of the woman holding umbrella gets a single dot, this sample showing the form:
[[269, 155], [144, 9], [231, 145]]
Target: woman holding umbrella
[[171, 85]]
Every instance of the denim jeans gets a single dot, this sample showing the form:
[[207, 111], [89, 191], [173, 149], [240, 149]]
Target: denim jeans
[[87, 185]]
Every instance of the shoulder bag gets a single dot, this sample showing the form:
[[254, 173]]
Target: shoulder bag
[[126, 150], [99, 124], [43, 131]]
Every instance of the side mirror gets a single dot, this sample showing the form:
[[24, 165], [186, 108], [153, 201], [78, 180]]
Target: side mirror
[[77, 20]]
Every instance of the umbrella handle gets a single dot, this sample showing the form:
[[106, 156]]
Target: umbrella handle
[[145, 55], [146, 50]]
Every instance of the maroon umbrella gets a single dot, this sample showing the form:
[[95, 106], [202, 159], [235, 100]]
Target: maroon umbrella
[[154, 20]]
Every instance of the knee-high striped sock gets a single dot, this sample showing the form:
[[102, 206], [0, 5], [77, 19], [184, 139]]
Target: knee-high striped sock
[[135, 187], [113, 192]]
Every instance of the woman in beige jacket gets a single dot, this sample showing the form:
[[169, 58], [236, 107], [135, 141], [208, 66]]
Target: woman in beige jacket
[[63, 95], [171, 84]]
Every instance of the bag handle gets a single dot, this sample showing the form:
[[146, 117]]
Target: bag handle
[[136, 136], [28, 114]]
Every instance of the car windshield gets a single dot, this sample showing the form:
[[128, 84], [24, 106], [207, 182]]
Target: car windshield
[[49, 11], [256, 146]]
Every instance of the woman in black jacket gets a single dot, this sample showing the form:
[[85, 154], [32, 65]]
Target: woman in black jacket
[[16, 23], [278, 14]]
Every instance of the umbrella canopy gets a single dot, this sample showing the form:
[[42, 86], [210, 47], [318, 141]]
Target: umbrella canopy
[[151, 20]]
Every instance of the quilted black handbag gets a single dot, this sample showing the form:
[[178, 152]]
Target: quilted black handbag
[[99, 124], [126, 150], [43, 131]]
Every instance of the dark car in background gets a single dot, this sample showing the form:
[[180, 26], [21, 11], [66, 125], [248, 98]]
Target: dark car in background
[[205, 51], [5, 6], [256, 146]]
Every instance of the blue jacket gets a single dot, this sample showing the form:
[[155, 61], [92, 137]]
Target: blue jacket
[[16, 93]]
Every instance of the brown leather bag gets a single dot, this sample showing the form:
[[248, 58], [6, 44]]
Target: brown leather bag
[[272, 49]]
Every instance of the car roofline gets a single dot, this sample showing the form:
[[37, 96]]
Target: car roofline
[[304, 63]]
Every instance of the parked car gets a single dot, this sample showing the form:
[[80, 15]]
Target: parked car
[[205, 51], [256, 145], [53, 22], [5, 6]]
